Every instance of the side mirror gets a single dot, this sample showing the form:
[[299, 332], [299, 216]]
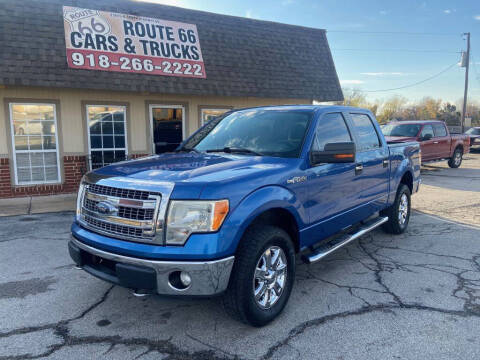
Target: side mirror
[[426, 137], [343, 152]]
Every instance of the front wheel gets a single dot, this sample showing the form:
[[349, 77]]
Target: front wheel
[[262, 276], [399, 213], [456, 160]]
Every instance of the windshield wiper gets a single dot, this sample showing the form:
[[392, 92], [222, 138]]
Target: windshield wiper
[[185, 149], [235, 151]]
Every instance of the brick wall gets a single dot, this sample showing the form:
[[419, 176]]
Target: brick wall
[[5, 183], [136, 156], [73, 166]]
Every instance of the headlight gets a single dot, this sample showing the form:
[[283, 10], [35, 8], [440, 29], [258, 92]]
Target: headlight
[[186, 217], [81, 193]]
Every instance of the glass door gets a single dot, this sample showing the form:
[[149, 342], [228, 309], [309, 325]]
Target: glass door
[[167, 127]]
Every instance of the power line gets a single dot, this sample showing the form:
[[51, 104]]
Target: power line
[[415, 84], [401, 50]]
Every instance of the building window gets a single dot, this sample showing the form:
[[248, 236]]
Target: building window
[[209, 114], [107, 140], [35, 143]]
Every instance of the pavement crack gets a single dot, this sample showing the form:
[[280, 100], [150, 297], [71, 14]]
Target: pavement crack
[[378, 271], [216, 348], [301, 328]]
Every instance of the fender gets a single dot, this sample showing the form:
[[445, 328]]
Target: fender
[[404, 167], [254, 204]]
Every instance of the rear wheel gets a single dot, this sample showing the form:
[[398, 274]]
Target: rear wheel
[[456, 160], [262, 276], [399, 213]]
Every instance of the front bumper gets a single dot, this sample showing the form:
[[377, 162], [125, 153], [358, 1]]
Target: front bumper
[[207, 277], [416, 185]]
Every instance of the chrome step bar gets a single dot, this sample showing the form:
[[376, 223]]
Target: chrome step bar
[[337, 243]]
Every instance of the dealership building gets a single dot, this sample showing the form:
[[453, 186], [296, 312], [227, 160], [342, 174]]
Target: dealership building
[[86, 83]]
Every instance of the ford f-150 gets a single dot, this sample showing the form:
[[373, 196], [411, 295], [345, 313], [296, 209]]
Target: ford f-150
[[436, 142], [230, 209]]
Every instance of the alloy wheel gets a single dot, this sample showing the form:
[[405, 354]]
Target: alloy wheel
[[270, 277]]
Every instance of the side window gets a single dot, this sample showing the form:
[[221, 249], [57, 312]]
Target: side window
[[331, 129], [427, 129], [367, 135], [439, 130]]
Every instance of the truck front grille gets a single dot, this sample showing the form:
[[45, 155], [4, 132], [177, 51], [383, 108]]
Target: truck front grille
[[113, 228], [126, 214], [123, 211], [119, 193]]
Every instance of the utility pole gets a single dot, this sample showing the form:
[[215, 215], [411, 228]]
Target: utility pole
[[467, 66]]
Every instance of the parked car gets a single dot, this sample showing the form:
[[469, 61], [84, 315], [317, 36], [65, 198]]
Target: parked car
[[435, 140], [227, 212], [474, 135]]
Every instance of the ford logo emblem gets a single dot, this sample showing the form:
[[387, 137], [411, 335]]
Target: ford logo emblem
[[105, 208]]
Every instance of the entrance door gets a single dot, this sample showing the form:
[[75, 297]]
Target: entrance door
[[167, 125]]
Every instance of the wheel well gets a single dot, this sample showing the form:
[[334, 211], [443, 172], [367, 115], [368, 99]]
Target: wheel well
[[407, 179], [459, 147], [281, 218]]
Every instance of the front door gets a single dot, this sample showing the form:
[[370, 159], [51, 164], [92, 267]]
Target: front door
[[332, 188], [427, 146], [167, 127]]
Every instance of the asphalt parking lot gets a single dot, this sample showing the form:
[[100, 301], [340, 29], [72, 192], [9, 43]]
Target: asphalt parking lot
[[414, 296]]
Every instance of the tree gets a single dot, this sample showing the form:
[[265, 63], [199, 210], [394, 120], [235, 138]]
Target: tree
[[449, 114], [391, 108], [353, 97], [429, 108]]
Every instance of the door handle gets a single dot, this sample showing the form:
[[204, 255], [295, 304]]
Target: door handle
[[435, 142], [385, 163], [358, 169]]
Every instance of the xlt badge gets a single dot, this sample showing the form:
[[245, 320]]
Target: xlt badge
[[296, 179]]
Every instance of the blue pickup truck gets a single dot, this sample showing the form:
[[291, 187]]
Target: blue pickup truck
[[240, 201]]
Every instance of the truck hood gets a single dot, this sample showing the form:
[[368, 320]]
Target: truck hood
[[399, 139], [196, 167]]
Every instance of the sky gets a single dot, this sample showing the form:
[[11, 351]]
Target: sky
[[381, 44]]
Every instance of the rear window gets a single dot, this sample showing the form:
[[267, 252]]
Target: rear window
[[439, 130], [401, 130], [367, 135]]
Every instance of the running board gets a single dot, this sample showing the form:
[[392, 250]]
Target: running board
[[337, 243]]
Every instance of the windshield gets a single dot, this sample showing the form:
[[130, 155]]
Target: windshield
[[256, 131], [408, 130], [473, 131]]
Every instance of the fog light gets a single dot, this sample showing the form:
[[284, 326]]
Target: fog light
[[185, 278]]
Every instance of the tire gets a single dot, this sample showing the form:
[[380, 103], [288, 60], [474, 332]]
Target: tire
[[239, 300], [399, 213], [456, 160]]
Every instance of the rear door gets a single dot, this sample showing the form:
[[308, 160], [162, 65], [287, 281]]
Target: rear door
[[428, 146], [372, 163], [442, 141]]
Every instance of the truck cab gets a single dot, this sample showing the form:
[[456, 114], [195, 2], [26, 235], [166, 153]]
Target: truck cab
[[228, 211]]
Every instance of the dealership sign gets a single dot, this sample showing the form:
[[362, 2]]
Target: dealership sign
[[100, 40]]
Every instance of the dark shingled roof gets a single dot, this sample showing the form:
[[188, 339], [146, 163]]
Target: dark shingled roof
[[243, 57]]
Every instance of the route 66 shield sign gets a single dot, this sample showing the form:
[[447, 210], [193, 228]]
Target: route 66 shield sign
[[86, 21]]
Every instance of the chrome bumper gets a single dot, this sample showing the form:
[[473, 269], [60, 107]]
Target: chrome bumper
[[207, 277]]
